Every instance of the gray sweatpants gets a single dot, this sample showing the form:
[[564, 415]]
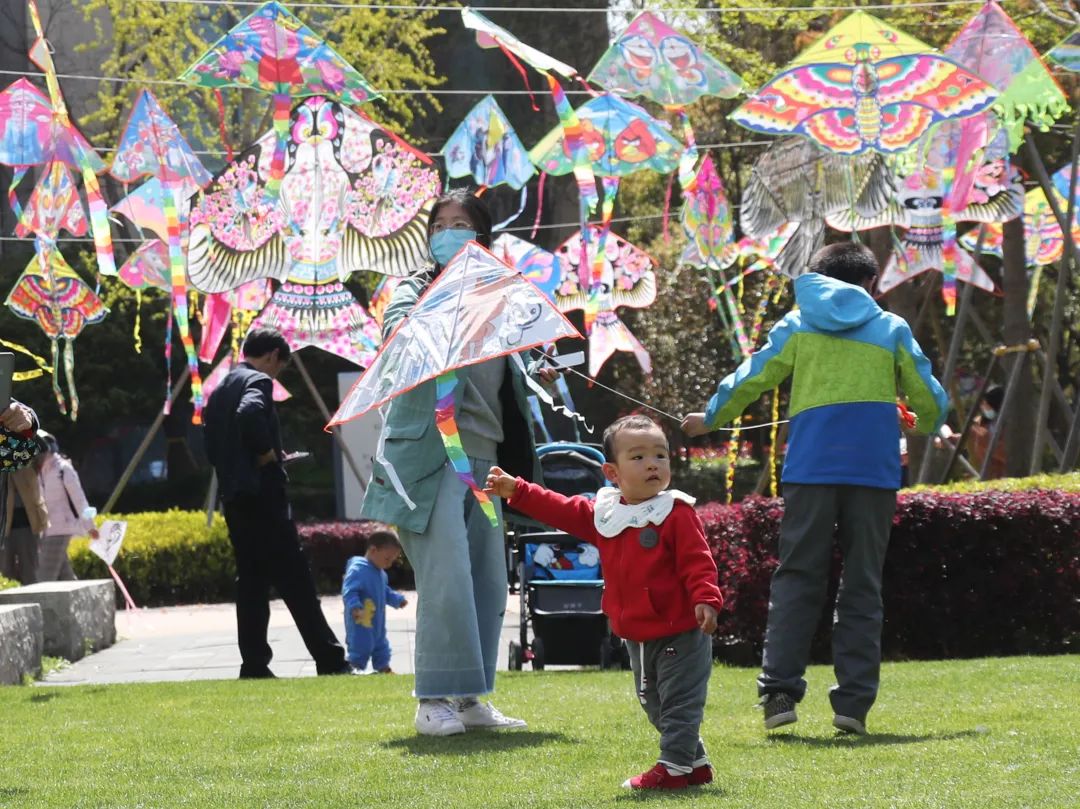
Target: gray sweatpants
[[671, 676], [862, 519]]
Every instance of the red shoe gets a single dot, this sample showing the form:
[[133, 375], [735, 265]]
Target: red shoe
[[657, 778], [700, 776]]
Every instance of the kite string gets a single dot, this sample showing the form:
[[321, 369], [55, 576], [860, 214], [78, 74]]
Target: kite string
[[664, 413]]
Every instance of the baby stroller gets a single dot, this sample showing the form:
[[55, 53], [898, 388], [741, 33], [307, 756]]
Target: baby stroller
[[558, 577]]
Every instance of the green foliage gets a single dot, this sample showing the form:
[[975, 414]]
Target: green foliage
[[952, 735], [1053, 483], [157, 41], [7, 584], [168, 557]]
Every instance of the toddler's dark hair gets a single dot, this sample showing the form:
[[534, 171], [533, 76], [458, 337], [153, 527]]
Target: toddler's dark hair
[[850, 262], [383, 539], [634, 422]]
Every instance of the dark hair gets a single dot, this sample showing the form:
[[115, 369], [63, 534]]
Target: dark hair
[[261, 341], [850, 262], [994, 396], [634, 422], [475, 207], [383, 538]]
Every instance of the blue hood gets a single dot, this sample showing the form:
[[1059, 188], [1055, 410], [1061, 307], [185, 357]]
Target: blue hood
[[830, 305]]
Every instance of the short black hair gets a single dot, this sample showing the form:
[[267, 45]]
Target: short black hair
[[262, 340], [994, 396], [636, 421], [383, 538], [850, 262], [478, 211]]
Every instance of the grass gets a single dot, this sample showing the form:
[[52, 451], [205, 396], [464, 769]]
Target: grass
[[986, 734]]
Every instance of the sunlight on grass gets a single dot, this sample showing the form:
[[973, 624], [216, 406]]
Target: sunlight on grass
[[986, 733]]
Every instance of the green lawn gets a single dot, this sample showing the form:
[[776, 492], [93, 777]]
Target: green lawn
[[989, 734]]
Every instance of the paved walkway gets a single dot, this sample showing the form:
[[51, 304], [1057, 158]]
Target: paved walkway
[[199, 643]]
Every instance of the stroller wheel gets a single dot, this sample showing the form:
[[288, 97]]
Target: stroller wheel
[[517, 656], [538, 654]]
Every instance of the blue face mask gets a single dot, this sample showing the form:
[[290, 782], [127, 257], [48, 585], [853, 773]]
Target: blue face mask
[[446, 243]]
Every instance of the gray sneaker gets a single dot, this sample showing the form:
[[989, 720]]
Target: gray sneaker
[[848, 724], [779, 710]]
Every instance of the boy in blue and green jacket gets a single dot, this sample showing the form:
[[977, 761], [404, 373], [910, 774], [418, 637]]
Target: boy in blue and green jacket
[[844, 355]]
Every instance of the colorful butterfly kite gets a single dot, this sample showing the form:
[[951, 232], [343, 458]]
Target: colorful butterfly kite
[[796, 181], [49, 291], [272, 52], [626, 279], [354, 197], [864, 85], [477, 309]]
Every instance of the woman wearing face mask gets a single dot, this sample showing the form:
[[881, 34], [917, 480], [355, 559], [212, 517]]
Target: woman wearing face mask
[[457, 555], [982, 429]]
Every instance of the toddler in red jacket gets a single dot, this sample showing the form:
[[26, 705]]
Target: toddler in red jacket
[[660, 590]]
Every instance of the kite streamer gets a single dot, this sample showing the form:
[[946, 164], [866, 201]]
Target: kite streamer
[[448, 429]]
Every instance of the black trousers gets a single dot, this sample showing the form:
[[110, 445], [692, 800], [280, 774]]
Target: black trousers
[[267, 550]]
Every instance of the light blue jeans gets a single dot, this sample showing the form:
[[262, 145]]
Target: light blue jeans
[[461, 589]]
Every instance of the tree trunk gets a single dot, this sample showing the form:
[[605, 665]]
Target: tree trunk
[[1016, 330]]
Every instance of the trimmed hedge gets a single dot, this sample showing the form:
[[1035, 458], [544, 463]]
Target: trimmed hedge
[[972, 569], [992, 572], [171, 557]]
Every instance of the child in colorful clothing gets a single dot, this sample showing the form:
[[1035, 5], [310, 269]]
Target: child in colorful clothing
[[366, 594], [842, 469], [660, 590]]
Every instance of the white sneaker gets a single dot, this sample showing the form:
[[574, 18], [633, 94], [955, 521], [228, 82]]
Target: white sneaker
[[435, 717], [474, 714]]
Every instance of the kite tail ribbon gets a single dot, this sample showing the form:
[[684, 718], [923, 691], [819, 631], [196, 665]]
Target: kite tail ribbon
[[541, 394], [69, 370], [575, 145], [57, 391], [281, 131], [948, 260], [180, 301], [99, 222], [448, 429]]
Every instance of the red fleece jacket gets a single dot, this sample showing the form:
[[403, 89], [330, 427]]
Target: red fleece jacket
[[650, 587]]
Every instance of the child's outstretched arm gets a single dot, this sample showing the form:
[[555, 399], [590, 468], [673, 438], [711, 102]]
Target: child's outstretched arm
[[924, 393], [574, 515], [762, 371]]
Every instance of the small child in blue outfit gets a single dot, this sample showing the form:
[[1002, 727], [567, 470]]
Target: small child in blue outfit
[[366, 593]]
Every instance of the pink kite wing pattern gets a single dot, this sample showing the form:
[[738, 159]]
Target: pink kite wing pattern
[[354, 197], [148, 267], [475, 310], [653, 60], [54, 206], [152, 146], [626, 279], [144, 206], [706, 220]]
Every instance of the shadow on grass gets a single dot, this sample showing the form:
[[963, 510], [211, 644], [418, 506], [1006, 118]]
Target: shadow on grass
[[870, 740], [44, 696], [689, 794], [473, 742], [13, 792]]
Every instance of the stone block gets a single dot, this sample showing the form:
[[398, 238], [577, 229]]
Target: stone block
[[78, 616], [21, 638]]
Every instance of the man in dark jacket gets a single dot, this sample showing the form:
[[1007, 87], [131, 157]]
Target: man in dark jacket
[[243, 442]]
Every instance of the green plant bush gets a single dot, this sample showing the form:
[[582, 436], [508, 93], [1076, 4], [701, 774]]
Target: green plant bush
[[1062, 483], [6, 583]]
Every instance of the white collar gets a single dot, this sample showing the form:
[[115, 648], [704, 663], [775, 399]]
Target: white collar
[[611, 517]]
